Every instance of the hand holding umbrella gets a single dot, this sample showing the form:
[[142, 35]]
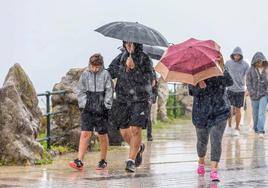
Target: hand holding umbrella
[[130, 63]]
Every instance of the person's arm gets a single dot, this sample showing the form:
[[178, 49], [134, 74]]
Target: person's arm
[[195, 90], [81, 91], [108, 100], [114, 66], [226, 80], [249, 82]]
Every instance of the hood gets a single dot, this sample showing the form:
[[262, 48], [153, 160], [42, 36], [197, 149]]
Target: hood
[[258, 57], [237, 50]]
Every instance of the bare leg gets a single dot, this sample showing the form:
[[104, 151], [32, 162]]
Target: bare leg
[[231, 118], [83, 144], [214, 165], [104, 143], [201, 161], [126, 135], [237, 117], [135, 142]]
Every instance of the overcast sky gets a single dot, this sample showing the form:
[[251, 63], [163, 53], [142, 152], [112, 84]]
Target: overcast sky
[[49, 37]]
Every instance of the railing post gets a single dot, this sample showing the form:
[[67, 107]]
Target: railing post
[[175, 101], [48, 119]]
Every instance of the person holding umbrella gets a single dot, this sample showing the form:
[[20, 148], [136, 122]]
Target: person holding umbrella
[[134, 72], [200, 64], [211, 110]]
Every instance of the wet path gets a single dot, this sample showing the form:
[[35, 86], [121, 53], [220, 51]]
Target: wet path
[[169, 161]]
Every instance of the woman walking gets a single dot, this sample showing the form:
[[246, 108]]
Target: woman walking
[[257, 85], [211, 110]]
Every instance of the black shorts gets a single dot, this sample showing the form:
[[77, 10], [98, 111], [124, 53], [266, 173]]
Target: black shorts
[[236, 98], [92, 122], [125, 115]]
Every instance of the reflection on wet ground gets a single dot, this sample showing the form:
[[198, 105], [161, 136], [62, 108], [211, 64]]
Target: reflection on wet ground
[[169, 161]]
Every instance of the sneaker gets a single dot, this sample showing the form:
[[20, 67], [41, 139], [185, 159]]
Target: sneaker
[[130, 166], [214, 176], [76, 164], [102, 165], [150, 138], [236, 132], [138, 159], [261, 135], [229, 131], [201, 169]]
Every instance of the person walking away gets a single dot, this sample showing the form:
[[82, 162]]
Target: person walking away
[[237, 68], [257, 84], [134, 72], [211, 110], [95, 96]]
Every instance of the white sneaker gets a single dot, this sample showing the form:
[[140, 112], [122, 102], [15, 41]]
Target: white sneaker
[[261, 135], [236, 132], [228, 131]]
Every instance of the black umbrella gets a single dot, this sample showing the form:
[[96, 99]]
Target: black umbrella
[[133, 32], [152, 51]]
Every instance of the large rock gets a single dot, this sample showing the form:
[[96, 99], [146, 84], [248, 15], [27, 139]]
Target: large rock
[[67, 123], [19, 119]]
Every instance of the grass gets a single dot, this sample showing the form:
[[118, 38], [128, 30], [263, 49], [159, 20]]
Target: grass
[[2, 163], [46, 158]]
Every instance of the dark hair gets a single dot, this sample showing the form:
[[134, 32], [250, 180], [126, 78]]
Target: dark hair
[[96, 59], [138, 47]]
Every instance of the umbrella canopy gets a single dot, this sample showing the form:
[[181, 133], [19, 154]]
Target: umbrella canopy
[[190, 62], [133, 32], [152, 51]]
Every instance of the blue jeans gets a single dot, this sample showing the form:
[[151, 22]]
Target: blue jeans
[[259, 113]]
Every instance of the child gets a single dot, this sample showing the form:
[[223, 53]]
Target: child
[[95, 95]]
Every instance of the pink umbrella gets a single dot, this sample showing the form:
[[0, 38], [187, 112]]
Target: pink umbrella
[[190, 62]]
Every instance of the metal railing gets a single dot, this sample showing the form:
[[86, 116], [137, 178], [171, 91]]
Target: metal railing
[[48, 114]]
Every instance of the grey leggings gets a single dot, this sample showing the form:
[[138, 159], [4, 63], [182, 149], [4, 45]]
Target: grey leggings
[[215, 133]]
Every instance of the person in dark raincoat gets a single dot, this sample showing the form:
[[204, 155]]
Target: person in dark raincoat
[[134, 72], [211, 110]]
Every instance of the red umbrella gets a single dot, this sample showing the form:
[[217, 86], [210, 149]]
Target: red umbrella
[[190, 62]]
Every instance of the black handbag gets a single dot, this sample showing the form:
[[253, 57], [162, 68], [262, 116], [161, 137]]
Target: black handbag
[[95, 102]]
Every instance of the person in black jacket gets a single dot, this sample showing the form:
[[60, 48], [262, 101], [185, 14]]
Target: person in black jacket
[[211, 109], [134, 72]]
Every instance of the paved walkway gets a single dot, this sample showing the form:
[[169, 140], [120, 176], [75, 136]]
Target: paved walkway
[[169, 161]]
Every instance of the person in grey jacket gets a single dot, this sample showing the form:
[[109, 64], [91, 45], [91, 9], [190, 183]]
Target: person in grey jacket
[[257, 84], [95, 96], [237, 68]]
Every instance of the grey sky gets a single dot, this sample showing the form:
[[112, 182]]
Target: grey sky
[[49, 37]]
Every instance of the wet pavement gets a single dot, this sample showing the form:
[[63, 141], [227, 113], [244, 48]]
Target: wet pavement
[[169, 161]]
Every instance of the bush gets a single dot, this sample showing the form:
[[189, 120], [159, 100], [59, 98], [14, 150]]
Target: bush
[[180, 108]]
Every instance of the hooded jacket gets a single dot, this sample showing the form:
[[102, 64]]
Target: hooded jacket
[[95, 82], [257, 83], [211, 105], [238, 71], [134, 85]]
